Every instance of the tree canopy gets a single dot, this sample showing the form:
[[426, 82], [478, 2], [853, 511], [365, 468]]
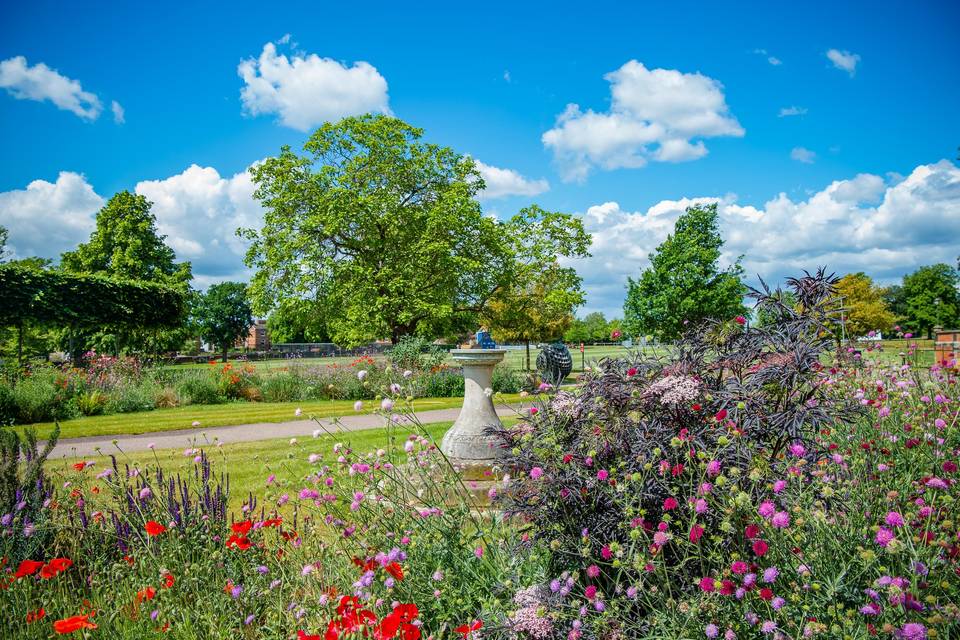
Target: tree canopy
[[125, 244], [931, 298], [865, 309], [223, 315], [383, 231], [684, 283]]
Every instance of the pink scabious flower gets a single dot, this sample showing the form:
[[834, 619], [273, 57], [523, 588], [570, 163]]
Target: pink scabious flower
[[700, 506], [670, 504], [767, 509], [769, 626], [797, 450], [781, 520], [707, 585], [660, 538], [606, 553], [590, 592], [770, 574], [713, 468], [940, 423], [696, 532], [894, 519], [536, 473], [739, 567], [884, 537], [603, 474], [711, 631], [779, 486], [913, 631], [593, 571], [937, 483]]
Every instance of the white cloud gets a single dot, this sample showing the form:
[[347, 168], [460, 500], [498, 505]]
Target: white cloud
[[40, 83], [865, 223], [506, 76], [119, 115], [655, 114], [844, 60], [508, 182], [46, 219], [199, 211], [773, 60], [801, 154], [786, 112], [306, 90]]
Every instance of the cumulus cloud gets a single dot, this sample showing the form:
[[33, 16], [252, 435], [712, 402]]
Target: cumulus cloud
[[508, 182], [39, 82], [655, 114], [801, 154], [786, 112], [305, 90], [844, 60], [48, 218], [198, 210], [865, 223]]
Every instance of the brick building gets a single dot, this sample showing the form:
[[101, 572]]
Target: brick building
[[258, 339]]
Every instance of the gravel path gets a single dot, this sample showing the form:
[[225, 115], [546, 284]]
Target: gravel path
[[70, 447]]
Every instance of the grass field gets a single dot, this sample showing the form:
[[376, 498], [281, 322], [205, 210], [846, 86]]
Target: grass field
[[249, 463], [218, 415]]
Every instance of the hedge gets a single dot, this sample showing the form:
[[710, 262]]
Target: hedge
[[62, 299]]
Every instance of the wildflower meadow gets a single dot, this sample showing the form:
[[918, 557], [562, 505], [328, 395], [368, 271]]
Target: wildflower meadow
[[751, 483]]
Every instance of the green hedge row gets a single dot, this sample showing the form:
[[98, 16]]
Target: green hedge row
[[63, 299]]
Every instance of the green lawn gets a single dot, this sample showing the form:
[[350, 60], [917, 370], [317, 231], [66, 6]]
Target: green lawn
[[218, 415], [249, 463]]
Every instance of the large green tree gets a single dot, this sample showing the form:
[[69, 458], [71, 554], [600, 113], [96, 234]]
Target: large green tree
[[384, 233], [684, 283], [223, 315], [126, 244], [931, 298], [539, 308], [864, 308]]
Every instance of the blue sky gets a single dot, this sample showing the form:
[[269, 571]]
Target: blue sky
[[491, 80]]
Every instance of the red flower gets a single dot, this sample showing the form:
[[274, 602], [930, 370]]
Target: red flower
[[395, 570], [722, 414], [670, 504], [69, 625], [740, 320], [305, 636], [696, 532], [632, 371], [273, 522], [55, 567], [399, 621], [154, 528], [146, 594], [168, 580], [33, 616], [241, 528], [760, 548], [752, 531], [27, 568], [696, 407], [766, 594], [240, 542], [80, 466], [369, 565], [467, 629]]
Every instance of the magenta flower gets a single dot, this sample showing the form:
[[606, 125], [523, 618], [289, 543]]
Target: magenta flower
[[894, 519], [781, 520], [884, 537]]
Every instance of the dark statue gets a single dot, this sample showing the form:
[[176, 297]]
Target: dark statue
[[554, 363]]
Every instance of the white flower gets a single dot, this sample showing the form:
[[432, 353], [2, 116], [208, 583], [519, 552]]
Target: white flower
[[293, 441], [298, 412], [361, 374], [196, 423], [358, 405], [407, 373], [488, 392], [316, 433]]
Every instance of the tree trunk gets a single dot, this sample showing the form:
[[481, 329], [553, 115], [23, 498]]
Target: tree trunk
[[528, 355], [20, 344], [226, 348]]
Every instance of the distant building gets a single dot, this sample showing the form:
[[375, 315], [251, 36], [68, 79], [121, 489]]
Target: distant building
[[258, 339], [946, 347]]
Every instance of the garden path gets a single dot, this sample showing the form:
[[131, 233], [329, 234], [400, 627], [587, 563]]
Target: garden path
[[78, 447]]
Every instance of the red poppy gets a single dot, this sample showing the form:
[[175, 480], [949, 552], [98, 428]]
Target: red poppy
[[27, 568], [168, 580], [80, 466], [129, 559], [467, 629], [399, 621], [395, 570], [273, 522], [240, 542], [154, 528], [33, 616], [241, 528], [146, 594], [55, 567], [368, 565], [69, 625], [305, 636]]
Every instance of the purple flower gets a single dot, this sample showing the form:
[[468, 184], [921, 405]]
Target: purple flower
[[884, 537], [711, 631]]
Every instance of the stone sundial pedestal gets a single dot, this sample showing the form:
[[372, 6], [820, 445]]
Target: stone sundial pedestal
[[465, 444]]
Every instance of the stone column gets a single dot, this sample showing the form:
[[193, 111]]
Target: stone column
[[466, 444]]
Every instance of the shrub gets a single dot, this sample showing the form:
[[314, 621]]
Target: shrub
[[166, 398], [38, 399], [445, 382], [282, 387], [132, 397], [91, 403], [199, 388], [8, 406], [506, 379], [416, 353]]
